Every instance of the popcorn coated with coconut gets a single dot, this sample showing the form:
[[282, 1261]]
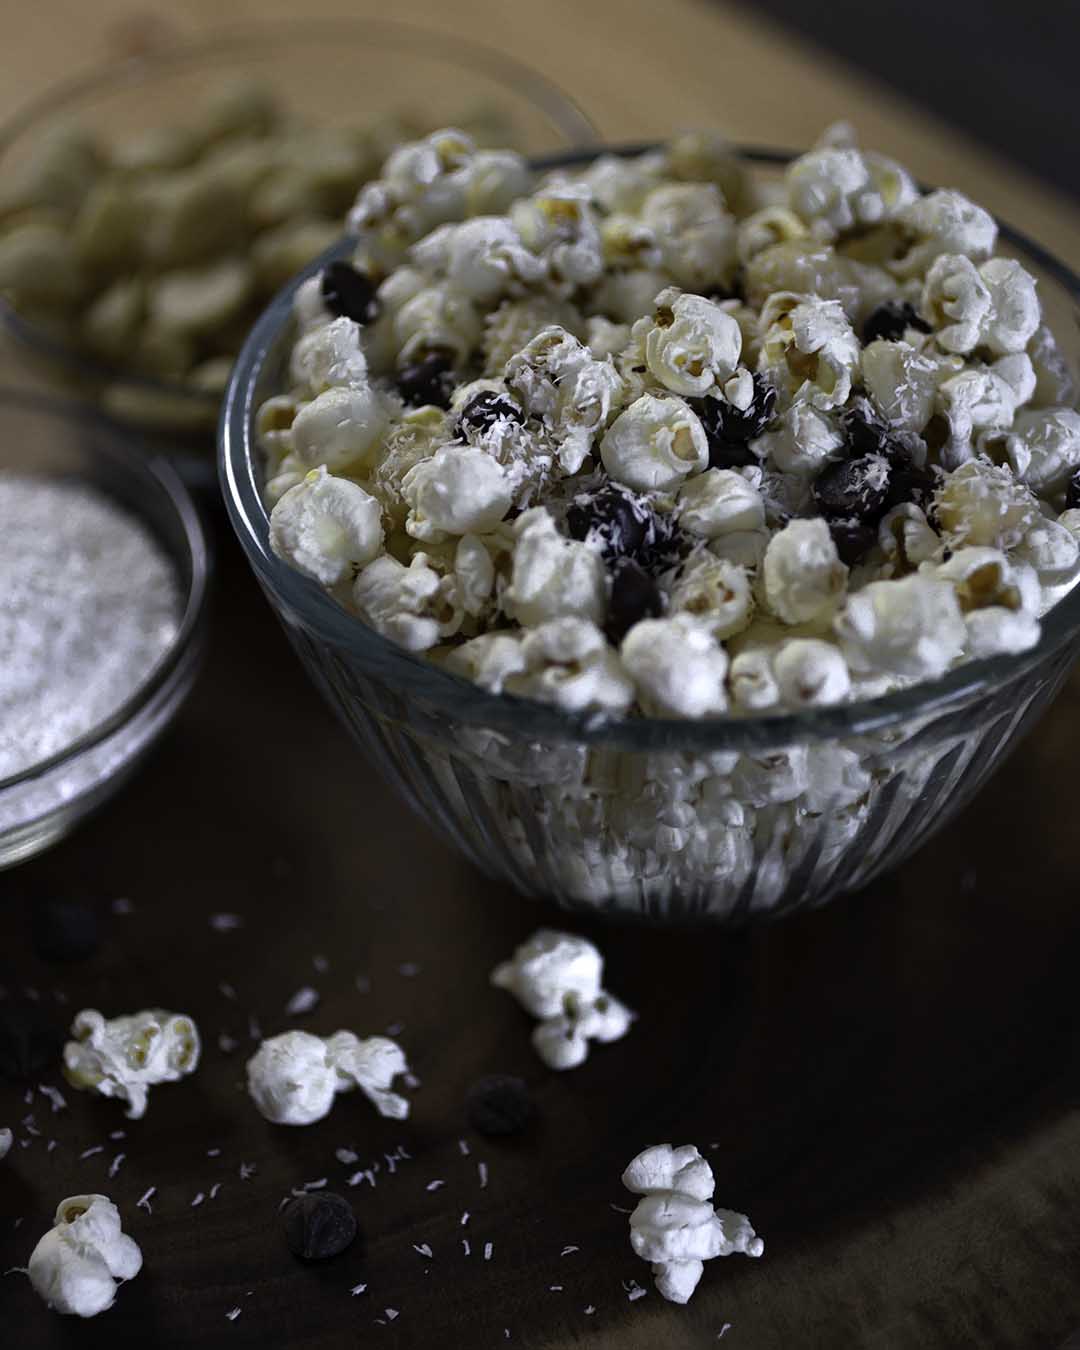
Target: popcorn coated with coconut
[[482, 258], [720, 502], [716, 592], [459, 490], [654, 444], [328, 357], [1050, 548], [1054, 381], [1043, 448], [326, 527], [998, 596], [514, 323], [413, 606], [677, 665], [911, 627], [978, 399], [674, 1226], [902, 381], [552, 576], [836, 189], [802, 442], [695, 234], [437, 318], [691, 345], [802, 574], [559, 226], [944, 221], [293, 1078], [809, 349], [557, 978], [81, 1261], [983, 503], [124, 1057], [340, 429]]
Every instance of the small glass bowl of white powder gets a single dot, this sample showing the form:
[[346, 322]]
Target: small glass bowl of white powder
[[103, 575]]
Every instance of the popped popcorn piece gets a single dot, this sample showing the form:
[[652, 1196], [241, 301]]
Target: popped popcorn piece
[[488, 660], [339, 429], [837, 188], [907, 539], [999, 598], [552, 576], [568, 661], [559, 225], [911, 627], [293, 1078], [691, 344], [1055, 383], [809, 349], [125, 1056], [326, 527], [674, 1226], [810, 673], [762, 229], [802, 442], [413, 606], [654, 444], [720, 502], [1014, 306], [78, 1264], [977, 399], [460, 489], [957, 302], [483, 258], [716, 593], [677, 666], [1043, 448], [695, 233], [563, 1042], [803, 577], [982, 503], [943, 222], [329, 357], [754, 686], [1051, 549], [903, 381]]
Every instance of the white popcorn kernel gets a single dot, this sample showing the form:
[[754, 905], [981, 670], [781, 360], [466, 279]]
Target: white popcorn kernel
[[654, 444], [618, 184], [716, 593], [1014, 306], [957, 302], [911, 627], [907, 539], [626, 295], [692, 344], [273, 427], [563, 1042], [803, 576], [810, 349], [1051, 549], [720, 502], [604, 338], [475, 574], [438, 318], [413, 606], [745, 547], [760, 230], [902, 381], [695, 233], [996, 631], [674, 1225], [978, 399], [826, 187], [1043, 447], [482, 257], [6, 1140], [802, 442], [340, 428], [552, 576], [309, 309], [558, 224], [459, 490], [1019, 374], [1055, 382], [329, 356], [125, 1056], [326, 527], [628, 242], [78, 1264], [943, 222], [982, 503], [488, 660], [677, 666], [810, 673], [293, 1078], [569, 662], [753, 682], [493, 180]]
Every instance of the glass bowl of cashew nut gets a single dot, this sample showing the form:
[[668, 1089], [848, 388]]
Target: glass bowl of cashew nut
[[688, 544], [150, 209]]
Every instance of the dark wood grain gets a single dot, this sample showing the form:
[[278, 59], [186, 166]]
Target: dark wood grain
[[889, 1088]]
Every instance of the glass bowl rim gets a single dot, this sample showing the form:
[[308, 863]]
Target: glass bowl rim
[[520, 79], [122, 451], [414, 675]]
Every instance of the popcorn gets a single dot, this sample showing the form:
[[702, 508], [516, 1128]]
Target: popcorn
[[568, 662], [674, 1226], [943, 222], [957, 302], [999, 599], [293, 1078], [413, 606], [474, 572], [803, 577], [1014, 307], [695, 233], [837, 189], [605, 339], [677, 666], [715, 592], [482, 258], [654, 444], [810, 673], [126, 1056], [328, 357], [1054, 380], [458, 490], [515, 323], [558, 224], [618, 184], [78, 1264], [1043, 448], [902, 381], [977, 399], [552, 576], [911, 627], [627, 295], [556, 977], [339, 429], [326, 527], [488, 660], [1051, 549], [803, 441], [627, 242], [437, 318], [906, 537], [692, 345], [720, 502], [759, 231], [810, 349], [754, 687], [981, 503]]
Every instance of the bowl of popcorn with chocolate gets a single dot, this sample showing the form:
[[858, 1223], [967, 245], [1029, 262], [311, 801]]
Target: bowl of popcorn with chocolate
[[686, 531]]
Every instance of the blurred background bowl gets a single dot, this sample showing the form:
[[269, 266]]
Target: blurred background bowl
[[45, 436], [379, 81]]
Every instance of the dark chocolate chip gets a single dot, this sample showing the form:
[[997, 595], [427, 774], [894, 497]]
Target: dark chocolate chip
[[865, 431], [728, 429], [427, 381], [499, 1104], [853, 539], [64, 930], [319, 1225], [349, 292], [891, 320], [856, 489], [634, 596], [615, 516], [29, 1040], [483, 411]]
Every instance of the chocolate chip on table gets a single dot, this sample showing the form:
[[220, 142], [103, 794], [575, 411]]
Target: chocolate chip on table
[[64, 930], [728, 429], [890, 321], [634, 596], [29, 1040], [349, 292], [427, 381], [319, 1225], [499, 1104], [486, 409]]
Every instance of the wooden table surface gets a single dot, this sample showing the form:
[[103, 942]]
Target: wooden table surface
[[889, 1088]]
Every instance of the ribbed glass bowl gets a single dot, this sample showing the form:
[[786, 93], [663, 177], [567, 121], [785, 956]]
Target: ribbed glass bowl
[[326, 72], [41, 436], [729, 820]]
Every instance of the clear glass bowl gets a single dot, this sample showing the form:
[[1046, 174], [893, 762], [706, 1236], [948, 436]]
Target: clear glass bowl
[[41, 804], [328, 73], [727, 820]]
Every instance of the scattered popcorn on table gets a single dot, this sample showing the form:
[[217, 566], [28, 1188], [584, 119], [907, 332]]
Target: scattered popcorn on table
[[557, 978], [293, 1078], [125, 1056], [674, 1225], [78, 1263]]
